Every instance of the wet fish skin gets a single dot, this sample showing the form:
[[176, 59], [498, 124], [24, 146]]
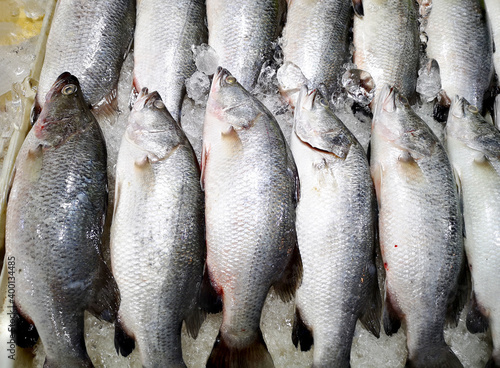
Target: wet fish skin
[[335, 230], [163, 57], [55, 219], [250, 182], [423, 259], [386, 41], [474, 149], [88, 39], [315, 39], [157, 233], [241, 33], [460, 41]]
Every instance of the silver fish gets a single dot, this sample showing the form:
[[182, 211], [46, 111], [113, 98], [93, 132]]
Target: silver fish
[[157, 234], [315, 39], [460, 41], [250, 182], [241, 33], [474, 150], [336, 219], [420, 229], [55, 219], [88, 39], [163, 59], [386, 42]]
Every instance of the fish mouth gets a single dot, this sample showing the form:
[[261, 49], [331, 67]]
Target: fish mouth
[[63, 80], [146, 99], [386, 100], [306, 99]]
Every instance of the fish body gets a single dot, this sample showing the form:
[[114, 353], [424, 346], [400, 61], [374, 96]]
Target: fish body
[[55, 219], [315, 39], [241, 32], [165, 33], [335, 230], [420, 229], [493, 11], [250, 182], [459, 40], [89, 39], [474, 150], [157, 235], [386, 41]]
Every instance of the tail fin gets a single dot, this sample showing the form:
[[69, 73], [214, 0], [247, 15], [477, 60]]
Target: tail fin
[[254, 355], [440, 356]]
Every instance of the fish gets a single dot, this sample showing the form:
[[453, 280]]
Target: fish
[[316, 40], [157, 235], [474, 149], [165, 34], [493, 12], [90, 40], [386, 42], [55, 218], [251, 190], [336, 222], [241, 33], [420, 230], [458, 38]]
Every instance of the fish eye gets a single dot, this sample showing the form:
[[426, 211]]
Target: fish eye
[[323, 102], [403, 100], [69, 89], [159, 104], [473, 109], [230, 79]]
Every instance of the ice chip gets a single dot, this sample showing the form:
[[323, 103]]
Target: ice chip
[[429, 80], [290, 79], [197, 87], [359, 85], [205, 58]]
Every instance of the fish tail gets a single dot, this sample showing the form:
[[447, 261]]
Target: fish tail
[[440, 356], [254, 355]]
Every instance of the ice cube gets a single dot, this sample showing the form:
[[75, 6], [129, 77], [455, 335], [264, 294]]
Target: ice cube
[[205, 58]]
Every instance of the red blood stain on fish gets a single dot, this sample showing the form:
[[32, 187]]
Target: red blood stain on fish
[[386, 266]]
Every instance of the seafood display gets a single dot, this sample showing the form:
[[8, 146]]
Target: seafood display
[[288, 178]]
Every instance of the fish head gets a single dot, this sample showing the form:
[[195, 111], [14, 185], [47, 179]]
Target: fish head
[[62, 112], [151, 126], [231, 104], [316, 125]]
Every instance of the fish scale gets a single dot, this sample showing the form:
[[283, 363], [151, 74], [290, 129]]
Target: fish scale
[[165, 33], [386, 42], [241, 33], [459, 40], [89, 39]]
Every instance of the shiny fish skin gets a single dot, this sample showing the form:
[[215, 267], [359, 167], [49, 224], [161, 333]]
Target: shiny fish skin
[[315, 38], [250, 182], [335, 230], [423, 258], [241, 32], [89, 39], [474, 150], [386, 41], [157, 235], [493, 11], [163, 56], [55, 217], [460, 41]]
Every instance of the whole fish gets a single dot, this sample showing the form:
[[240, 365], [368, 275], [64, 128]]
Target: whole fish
[[241, 32], [89, 39], [474, 150], [157, 234], [165, 33], [336, 219], [250, 182], [493, 11], [460, 41], [315, 39], [420, 229], [386, 41], [55, 219]]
